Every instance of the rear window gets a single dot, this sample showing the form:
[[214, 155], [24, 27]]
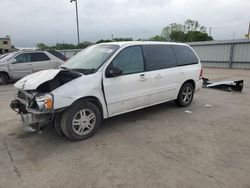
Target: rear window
[[184, 55], [39, 56], [58, 55], [158, 57]]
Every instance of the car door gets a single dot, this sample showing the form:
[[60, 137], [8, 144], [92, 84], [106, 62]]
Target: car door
[[40, 61], [160, 61], [130, 90], [20, 66]]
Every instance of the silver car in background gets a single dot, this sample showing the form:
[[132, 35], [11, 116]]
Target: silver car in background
[[16, 65]]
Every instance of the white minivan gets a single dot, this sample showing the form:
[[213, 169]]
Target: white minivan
[[105, 80]]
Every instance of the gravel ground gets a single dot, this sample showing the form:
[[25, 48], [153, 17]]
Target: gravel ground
[[161, 146]]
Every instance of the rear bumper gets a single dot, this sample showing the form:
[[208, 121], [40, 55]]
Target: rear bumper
[[198, 85]]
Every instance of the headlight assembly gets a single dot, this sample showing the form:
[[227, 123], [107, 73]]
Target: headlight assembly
[[44, 102]]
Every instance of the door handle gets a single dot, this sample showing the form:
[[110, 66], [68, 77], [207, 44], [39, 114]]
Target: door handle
[[158, 76], [142, 77]]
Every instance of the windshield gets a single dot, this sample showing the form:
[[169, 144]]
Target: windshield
[[91, 58], [6, 57]]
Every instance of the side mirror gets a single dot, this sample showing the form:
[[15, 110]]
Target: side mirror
[[12, 61], [113, 72]]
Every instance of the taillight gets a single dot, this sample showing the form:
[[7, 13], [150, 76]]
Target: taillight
[[201, 74]]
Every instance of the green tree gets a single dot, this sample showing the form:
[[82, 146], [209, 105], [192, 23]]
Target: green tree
[[103, 41], [166, 31], [157, 38], [193, 36], [190, 31], [193, 25], [177, 36], [122, 39], [84, 44], [42, 46]]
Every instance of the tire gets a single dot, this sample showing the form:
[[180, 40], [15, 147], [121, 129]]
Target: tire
[[57, 123], [80, 121], [3, 79], [185, 96]]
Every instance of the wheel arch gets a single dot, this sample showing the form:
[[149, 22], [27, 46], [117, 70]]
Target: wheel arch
[[189, 81], [5, 73], [93, 100]]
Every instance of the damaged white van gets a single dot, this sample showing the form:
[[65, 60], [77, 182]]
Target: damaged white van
[[105, 80]]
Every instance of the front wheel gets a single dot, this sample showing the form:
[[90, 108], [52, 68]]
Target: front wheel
[[81, 120], [185, 96]]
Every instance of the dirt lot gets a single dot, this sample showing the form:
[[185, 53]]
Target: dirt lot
[[161, 146]]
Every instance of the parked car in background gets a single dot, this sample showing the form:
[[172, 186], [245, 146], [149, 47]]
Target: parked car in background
[[3, 55], [16, 65], [105, 80]]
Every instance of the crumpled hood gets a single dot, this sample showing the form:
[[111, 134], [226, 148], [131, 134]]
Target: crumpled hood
[[32, 81]]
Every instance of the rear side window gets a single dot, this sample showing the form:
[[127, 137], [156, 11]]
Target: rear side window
[[130, 60], [58, 55], [39, 56], [184, 55], [158, 57], [23, 58]]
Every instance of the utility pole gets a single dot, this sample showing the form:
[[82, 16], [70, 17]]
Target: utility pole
[[248, 31], [112, 37], [77, 23], [210, 29]]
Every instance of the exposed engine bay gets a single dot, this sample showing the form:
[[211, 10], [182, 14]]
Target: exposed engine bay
[[36, 105], [60, 79]]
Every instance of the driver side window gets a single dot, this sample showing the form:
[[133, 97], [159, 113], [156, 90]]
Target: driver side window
[[129, 60], [23, 58]]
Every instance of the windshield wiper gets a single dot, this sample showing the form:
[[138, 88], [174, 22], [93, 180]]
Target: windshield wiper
[[85, 71], [71, 70], [64, 67]]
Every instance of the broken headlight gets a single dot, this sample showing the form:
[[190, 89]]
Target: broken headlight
[[44, 102]]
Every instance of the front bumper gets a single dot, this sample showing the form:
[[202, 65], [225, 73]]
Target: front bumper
[[36, 121], [30, 116]]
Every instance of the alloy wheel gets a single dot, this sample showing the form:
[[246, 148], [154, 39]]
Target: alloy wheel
[[187, 95], [83, 122]]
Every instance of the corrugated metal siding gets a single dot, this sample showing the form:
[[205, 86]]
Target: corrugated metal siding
[[217, 53], [238, 65], [241, 52], [213, 52]]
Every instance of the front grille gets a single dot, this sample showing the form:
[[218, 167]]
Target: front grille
[[26, 100], [21, 95], [24, 97]]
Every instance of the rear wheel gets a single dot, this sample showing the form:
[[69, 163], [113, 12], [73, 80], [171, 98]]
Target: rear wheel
[[3, 79], [81, 121], [185, 96]]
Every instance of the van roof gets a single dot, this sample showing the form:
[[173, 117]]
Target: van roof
[[128, 43]]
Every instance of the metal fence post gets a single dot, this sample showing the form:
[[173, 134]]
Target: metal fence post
[[231, 56]]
